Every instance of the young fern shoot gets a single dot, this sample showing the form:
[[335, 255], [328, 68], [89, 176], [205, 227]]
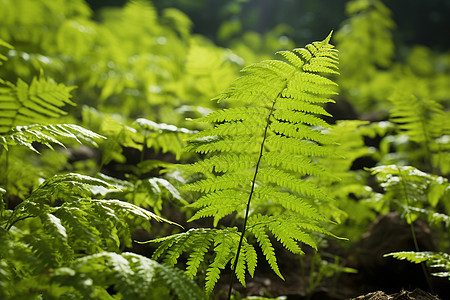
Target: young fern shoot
[[259, 155]]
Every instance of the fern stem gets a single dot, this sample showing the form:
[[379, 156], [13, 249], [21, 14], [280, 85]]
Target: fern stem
[[413, 233], [261, 151]]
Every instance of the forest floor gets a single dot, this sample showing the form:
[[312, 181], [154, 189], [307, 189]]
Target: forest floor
[[378, 277]]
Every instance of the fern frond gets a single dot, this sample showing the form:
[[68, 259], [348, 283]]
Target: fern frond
[[47, 135], [225, 246], [164, 137], [299, 164], [223, 182], [289, 201], [131, 275], [284, 179], [68, 187], [80, 223], [438, 260], [423, 121], [408, 189], [296, 147], [202, 243], [197, 242], [23, 104], [263, 150], [413, 115], [223, 163], [259, 231], [250, 257]]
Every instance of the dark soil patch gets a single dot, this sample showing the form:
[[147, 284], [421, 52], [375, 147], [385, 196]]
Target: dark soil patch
[[417, 294]]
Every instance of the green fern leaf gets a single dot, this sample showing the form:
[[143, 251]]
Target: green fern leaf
[[132, 276], [423, 121], [439, 260], [47, 135], [250, 257], [259, 231], [224, 251], [24, 104], [69, 187], [80, 223], [202, 244], [263, 150], [198, 242], [411, 191]]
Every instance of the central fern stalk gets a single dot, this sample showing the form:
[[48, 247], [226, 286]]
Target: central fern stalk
[[230, 287]]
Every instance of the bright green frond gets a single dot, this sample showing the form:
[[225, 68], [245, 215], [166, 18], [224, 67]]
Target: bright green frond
[[293, 104], [224, 249], [131, 275], [236, 128], [68, 187], [39, 102], [236, 114], [215, 144], [219, 204], [299, 131], [48, 134], [198, 242], [202, 244], [251, 257], [296, 117], [262, 151]]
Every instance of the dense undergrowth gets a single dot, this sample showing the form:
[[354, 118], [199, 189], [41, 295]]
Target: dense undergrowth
[[100, 147]]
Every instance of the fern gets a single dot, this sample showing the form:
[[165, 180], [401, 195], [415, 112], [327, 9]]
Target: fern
[[412, 192], [439, 261], [62, 225], [27, 116], [107, 275], [163, 137], [112, 218], [422, 120], [132, 277], [262, 151], [199, 242], [23, 104], [48, 135]]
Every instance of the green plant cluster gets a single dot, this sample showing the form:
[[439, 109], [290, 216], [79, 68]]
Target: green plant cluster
[[98, 141]]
